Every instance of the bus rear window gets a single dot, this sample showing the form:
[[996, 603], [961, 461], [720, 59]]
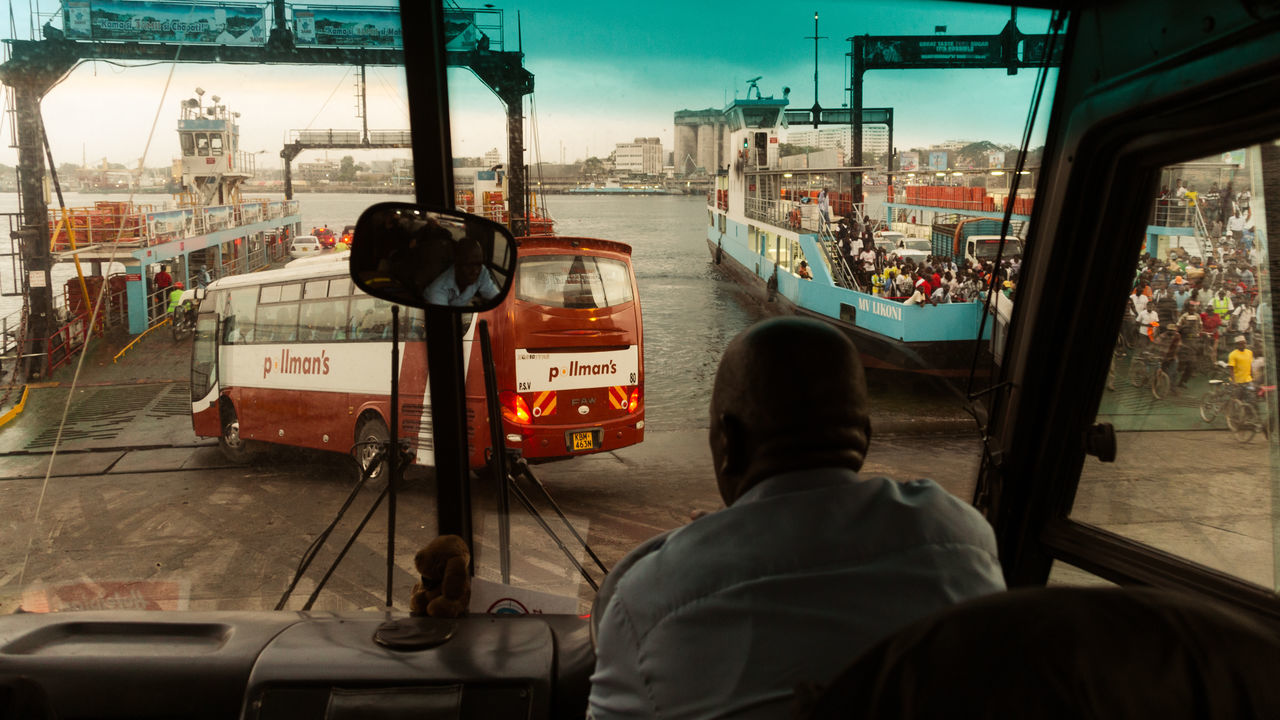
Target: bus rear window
[[573, 281]]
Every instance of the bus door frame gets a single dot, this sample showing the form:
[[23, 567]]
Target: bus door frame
[[1109, 135], [207, 421]]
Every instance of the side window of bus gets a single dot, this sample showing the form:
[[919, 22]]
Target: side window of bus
[[242, 307], [278, 313], [370, 318], [1191, 387], [413, 324], [320, 317]]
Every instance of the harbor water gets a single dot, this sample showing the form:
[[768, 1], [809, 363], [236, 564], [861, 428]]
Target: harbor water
[[691, 309]]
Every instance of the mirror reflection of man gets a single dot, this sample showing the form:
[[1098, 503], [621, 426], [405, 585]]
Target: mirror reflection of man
[[467, 278]]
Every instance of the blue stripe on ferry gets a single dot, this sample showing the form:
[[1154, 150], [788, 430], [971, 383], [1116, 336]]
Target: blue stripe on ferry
[[954, 321]]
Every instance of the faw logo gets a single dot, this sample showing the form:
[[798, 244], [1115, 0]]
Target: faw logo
[[290, 364]]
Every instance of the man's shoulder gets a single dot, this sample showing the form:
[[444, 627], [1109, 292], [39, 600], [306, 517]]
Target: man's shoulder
[[845, 524]]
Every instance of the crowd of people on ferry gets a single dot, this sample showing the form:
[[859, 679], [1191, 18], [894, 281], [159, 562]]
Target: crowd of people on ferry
[[1196, 312], [934, 280]]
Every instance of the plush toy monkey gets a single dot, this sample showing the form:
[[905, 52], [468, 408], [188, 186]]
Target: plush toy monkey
[[445, 590]]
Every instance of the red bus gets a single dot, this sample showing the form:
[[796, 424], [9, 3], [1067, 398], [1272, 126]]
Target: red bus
[[301, 357], [568, 344]]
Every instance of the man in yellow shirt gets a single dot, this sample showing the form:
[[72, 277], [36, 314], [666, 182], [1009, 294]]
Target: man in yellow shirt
[[1241, 362]]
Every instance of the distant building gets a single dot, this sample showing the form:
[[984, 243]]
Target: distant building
[[952, 144], [491, 158], [642, 157], [402, 172], [700, 140], [319, 171], [875, 139]]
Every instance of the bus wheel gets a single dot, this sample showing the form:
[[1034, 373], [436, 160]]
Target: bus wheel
[[235, 448], [370, 436]]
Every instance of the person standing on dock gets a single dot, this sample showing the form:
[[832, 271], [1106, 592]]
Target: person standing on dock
[[824, 207], [163, 280]]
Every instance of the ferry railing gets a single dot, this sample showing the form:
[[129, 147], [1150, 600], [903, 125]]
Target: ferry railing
[[65, 342], [1204, 238], [1172, 212], [770, 211], [257, 257], [12, 328], [123, 224], [840, 270]]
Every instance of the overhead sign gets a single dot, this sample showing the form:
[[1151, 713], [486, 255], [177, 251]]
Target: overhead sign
[[347, 26], [937, 161], [995, 158], [167, 22], [909, 161], [461, 33], [905, 51], [1009, 49]]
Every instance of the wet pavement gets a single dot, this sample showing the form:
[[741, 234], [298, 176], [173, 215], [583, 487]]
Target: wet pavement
[[133, 496]]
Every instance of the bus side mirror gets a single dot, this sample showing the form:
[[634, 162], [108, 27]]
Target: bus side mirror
[[429, 258]]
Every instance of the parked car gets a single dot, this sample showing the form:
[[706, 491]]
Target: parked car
[[348, 233], [325, 236], [304, 246]]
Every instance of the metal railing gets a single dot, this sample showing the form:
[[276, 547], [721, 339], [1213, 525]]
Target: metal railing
[[840, 270], [129, 225]]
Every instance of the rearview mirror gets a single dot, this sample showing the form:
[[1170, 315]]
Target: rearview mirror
[[424, 257]]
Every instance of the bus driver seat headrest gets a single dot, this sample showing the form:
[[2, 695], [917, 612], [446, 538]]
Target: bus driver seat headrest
[[1065, 653]]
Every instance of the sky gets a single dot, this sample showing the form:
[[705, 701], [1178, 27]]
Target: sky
[[604, 73]]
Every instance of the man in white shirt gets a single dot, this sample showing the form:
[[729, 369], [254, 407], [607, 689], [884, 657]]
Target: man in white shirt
[[808, 565], [1148, 322], [459, 285]]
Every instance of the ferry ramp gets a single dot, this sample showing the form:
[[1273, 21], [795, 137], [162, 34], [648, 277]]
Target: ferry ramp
[[140, 401]]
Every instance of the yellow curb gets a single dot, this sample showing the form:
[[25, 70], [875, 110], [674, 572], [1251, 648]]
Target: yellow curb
[[17, 409]]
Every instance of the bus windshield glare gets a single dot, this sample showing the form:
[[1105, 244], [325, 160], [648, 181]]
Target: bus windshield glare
[[573, 281]]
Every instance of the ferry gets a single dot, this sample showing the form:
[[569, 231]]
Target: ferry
[[485, 192], [207, 231], [613, 187], [763, 221]]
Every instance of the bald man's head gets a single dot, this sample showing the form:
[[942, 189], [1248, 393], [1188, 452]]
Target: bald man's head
[[790, 394]]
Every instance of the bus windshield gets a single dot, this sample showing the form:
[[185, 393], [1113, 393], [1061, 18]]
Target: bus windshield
[[987, 249], [573, 281]]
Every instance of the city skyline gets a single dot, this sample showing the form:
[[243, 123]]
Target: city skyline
[[637, 77]]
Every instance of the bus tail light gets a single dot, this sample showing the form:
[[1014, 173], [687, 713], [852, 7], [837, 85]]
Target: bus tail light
[[634, 401], [514, 408]]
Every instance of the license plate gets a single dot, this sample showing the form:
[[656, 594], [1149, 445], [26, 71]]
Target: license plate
[[582, 440]]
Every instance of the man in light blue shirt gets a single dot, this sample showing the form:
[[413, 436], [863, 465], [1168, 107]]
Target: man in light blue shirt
[[459, 285], [808, 565]]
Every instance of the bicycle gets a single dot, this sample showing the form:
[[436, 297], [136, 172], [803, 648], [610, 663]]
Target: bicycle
[[1147, 368], [183, 320], [1215, 400], [1242, 414]]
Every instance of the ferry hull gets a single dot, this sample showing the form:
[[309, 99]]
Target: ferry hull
[[945, 359]]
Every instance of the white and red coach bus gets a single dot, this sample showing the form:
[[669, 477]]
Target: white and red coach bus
[[301, 357]]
